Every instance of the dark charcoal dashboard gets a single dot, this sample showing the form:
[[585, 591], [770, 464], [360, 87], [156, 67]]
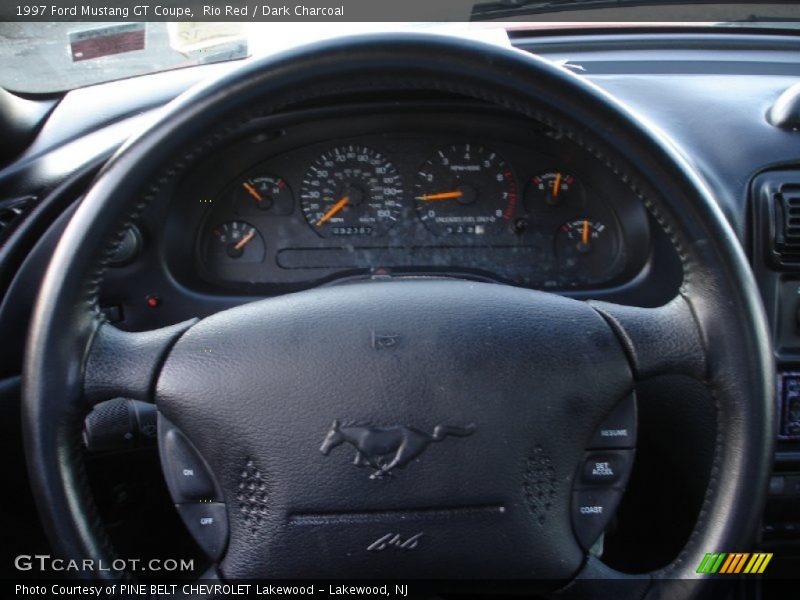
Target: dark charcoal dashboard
[[315, 197]]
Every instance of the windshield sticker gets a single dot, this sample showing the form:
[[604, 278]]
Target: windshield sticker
[[105, 41], [208, 42]]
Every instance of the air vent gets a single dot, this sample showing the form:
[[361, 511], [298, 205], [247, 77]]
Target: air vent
[[787, 224], [11, 213]]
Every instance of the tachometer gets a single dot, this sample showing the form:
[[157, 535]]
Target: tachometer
[[465, 189], [351, 190]]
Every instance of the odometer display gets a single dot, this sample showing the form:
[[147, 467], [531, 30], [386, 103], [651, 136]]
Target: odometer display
[[465, 189], [351, 191]]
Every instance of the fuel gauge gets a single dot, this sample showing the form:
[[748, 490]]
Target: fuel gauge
[[234, 241]]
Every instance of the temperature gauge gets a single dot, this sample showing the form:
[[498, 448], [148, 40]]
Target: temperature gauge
[[263, 194]]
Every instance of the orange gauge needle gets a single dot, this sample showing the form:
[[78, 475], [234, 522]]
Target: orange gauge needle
[[245, 240], [556, 185], [585, 233], [252, 191], [440, 196], [334, 209]]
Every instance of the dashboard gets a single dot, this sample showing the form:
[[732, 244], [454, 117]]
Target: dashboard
[[440, 190]]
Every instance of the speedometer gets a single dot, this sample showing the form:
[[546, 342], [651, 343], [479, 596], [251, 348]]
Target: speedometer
[[351, 190], [465, 189]]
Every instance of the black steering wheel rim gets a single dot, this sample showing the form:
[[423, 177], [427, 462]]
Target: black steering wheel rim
[[718, 294]]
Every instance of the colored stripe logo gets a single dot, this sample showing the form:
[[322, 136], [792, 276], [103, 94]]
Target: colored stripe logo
[[734, 562]]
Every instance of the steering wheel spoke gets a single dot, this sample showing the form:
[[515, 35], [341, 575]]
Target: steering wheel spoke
[[658, 341], [125, 364]]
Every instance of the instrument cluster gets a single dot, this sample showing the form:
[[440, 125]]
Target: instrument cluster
[[442, 194]]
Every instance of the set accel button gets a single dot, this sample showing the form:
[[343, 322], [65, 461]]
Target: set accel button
[[606, 468]]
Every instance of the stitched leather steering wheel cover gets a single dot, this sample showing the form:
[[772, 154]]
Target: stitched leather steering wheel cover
[[717, 281]]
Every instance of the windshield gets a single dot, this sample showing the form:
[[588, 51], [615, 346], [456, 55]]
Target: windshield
[[50, 57], [47, 57]]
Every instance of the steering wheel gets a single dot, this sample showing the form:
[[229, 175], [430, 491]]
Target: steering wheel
[[478, 413]]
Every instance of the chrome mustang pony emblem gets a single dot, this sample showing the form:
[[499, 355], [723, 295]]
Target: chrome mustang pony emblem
[[386, 448]]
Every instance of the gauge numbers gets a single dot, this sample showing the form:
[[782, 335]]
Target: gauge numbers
[[351, 191], [465, 189]]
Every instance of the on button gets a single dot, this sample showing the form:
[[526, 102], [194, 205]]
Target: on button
[[187, 475]]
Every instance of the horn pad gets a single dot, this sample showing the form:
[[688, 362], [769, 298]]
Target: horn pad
[[418, 428]]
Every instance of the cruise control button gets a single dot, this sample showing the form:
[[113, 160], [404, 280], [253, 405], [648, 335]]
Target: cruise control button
[[591, 512], [606, 468], [187, 476], [208, 524], [619, 428]]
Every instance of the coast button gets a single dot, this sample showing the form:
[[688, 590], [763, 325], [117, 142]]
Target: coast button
[[591, 512]]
